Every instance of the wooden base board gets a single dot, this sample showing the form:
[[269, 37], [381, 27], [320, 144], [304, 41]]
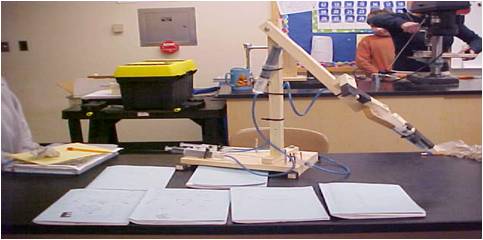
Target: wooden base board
[[298, 78], [253, 161]]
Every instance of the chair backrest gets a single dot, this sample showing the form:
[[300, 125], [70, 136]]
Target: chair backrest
[[305, 139]]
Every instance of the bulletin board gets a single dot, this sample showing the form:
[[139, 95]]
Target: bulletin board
[[303, 25], [348, 16], [300, 30], [340, 20]]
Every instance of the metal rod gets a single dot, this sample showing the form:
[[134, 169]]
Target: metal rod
[[248, 47], [436, 50]]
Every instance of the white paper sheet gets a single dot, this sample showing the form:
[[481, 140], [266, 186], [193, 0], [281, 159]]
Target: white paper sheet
[[132, 177], [368, 200], [83, 86], [289, 7], [182, 207], [91, 207], [102, 94], [224, 178], [275, 204], [322, 49]]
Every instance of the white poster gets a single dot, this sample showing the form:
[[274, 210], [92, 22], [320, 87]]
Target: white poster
[[289, 7]]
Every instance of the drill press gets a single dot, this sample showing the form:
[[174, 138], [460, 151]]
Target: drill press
[[440, 21]]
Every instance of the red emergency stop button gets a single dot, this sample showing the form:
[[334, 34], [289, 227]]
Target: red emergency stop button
[[169, 47]]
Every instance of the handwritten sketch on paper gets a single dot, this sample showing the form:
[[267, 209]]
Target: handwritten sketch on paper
[[182, 206], [91, 207]]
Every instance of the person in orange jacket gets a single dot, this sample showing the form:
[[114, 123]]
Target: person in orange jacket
[[375, 53]]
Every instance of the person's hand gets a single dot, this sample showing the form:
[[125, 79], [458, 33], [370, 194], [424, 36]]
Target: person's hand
[[43, 152], [411, 27], [467, 49]]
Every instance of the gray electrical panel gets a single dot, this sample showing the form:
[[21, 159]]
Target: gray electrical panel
[[159, 24]]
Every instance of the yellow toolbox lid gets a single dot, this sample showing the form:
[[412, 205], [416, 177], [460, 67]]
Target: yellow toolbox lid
[[156, 68]]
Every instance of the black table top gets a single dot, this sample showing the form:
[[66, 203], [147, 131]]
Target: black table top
[[449, 189], [214, 108], [472, 86]]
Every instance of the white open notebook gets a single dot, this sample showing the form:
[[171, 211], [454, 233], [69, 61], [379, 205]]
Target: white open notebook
[[369, 200], [275, 204], [182, 207], [129, 177], [224, 178], [91, 207], [137, 193]]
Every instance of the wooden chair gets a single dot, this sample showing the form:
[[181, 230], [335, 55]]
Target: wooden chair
[[305, 139]]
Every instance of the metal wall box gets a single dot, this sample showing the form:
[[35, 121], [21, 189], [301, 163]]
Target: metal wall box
[[160, 24]]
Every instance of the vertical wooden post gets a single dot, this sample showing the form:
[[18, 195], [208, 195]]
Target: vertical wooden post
[[289, 64], [275, 102], [274, 13]]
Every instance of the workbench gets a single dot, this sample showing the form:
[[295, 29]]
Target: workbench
[[448, 188], [441, 115], [102, 122]]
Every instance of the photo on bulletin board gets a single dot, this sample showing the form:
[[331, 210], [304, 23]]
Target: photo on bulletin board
[[348, 16]]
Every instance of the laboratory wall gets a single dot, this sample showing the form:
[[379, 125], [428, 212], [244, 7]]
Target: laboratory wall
[[69, 40]]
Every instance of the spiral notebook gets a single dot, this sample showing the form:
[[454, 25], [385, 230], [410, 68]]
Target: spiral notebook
[[275, 204], [182, 207], [91, 207], [369, 200]]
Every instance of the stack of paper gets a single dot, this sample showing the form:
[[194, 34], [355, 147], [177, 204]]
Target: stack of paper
[[91, 207], [182, 207], [366, 200], [71, 167], [132, 177], [224, 178], [275, 204], [67, 152]]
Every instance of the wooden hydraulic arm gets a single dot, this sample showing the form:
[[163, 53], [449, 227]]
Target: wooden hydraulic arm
[[345, 88]]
